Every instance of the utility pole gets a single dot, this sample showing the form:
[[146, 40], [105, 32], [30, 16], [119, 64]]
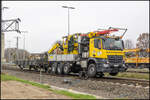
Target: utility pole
[[68, 17], [17, 51], [17, 42], [9, 43], [2, 36], [24, 43], [7, 26]]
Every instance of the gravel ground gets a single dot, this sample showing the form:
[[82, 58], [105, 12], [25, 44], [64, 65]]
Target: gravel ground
[[99, 88]]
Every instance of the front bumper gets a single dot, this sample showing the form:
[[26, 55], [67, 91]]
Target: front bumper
[[111, 68]]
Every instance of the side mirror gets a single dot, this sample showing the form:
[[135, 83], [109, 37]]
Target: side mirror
[[122, 44]]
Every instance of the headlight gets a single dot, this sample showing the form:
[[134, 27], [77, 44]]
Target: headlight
[[105, 65], [124, 65], [107, 62]]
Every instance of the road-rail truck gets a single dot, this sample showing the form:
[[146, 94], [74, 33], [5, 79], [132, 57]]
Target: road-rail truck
[[90, 54]]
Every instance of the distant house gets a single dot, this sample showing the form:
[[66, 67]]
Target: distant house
[[12, 54]]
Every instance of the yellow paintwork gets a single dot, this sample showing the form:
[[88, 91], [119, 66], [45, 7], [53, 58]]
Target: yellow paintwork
[[131, 50], [102, 53], [136, 59], [91, 34], [99, 53], [53, 48], [65, 45], [148, 50]]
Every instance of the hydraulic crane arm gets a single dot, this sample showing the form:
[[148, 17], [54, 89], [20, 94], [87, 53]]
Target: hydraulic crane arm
[[106, 31], [53, 48]]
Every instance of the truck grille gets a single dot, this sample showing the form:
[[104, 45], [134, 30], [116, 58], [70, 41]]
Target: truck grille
[[115, 58]]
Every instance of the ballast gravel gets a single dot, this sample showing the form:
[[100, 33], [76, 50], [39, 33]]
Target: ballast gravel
[[99, 88]]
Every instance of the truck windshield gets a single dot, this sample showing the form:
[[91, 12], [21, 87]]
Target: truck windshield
[[112, 44]]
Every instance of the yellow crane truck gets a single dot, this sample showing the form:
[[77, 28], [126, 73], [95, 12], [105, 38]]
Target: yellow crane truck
[[91, 54]]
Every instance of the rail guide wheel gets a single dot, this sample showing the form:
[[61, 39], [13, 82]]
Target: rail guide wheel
[[83, 75], [113, 74], [100, 74]]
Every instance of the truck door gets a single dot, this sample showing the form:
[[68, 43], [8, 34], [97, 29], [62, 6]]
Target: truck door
[[96, 48]]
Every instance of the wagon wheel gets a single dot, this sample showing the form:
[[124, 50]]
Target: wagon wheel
[[66, 69], [60, 69]]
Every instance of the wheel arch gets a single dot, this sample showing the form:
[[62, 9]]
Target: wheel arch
[[91, 61]]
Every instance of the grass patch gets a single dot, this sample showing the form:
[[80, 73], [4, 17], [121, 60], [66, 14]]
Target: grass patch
[[74, 95], [132, 75], [138, 69], [5, 77]]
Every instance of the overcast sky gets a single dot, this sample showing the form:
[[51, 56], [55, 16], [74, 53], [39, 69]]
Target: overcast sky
[[46, 21]]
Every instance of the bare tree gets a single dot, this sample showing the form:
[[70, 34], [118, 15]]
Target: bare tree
[[143, 41], [129, 44]]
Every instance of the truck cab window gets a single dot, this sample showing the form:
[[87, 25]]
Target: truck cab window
[[97, 43]]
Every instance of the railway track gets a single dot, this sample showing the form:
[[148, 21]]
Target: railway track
[[124, 81], [113, 80], [138, 72]]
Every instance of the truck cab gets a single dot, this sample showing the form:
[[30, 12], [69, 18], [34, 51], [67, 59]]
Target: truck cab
[[107, 55]]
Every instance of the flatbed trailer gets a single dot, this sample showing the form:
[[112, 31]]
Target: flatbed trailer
[[32, 64]]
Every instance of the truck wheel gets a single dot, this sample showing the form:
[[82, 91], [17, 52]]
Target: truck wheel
[[113, 74], [100, 75], [30, 67], [66, 68], [45, 69], [60, 69], [92, 70], [49, 69], [54, 66], [35, 68]]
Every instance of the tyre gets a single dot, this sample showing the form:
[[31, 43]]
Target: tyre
[[30, 67], [54, 67], [45, 69], [60, 69], [49, 69], [36, 68], [66, 69], [113, 74], [92, 70]]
